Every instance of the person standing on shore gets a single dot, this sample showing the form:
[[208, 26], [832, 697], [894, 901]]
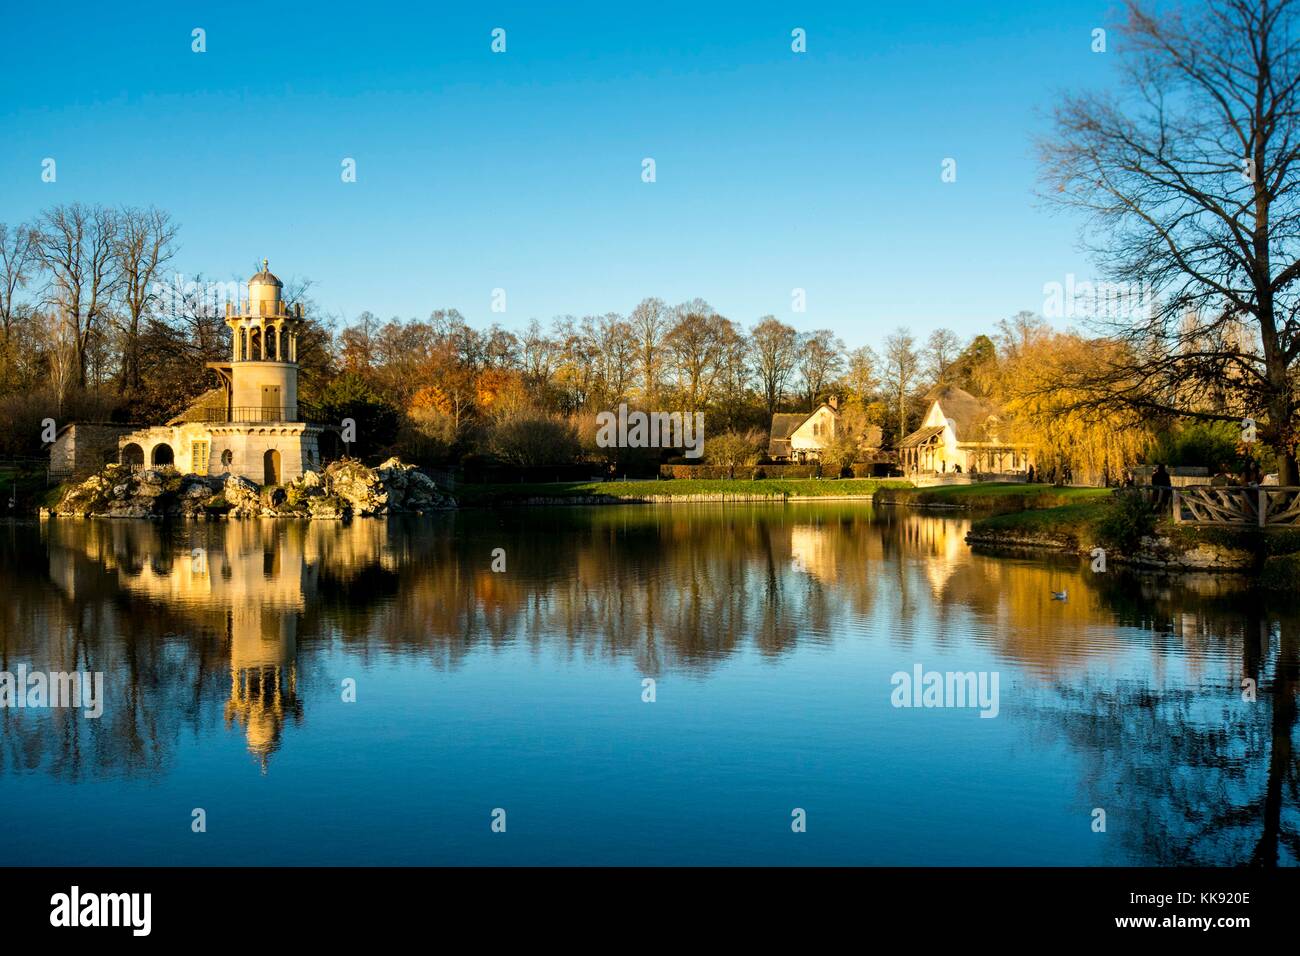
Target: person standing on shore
[[1162, 484]]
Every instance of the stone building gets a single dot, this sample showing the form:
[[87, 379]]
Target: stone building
[[83, 448], [251, 424]]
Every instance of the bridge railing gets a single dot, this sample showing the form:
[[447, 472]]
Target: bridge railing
[[1261, 506]]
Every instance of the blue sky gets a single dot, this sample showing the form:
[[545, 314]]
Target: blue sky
[[522, 170]]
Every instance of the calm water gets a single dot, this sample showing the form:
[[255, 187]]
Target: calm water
[[771, 632]]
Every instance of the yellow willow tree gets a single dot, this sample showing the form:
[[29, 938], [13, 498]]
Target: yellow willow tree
[[1070, 426]]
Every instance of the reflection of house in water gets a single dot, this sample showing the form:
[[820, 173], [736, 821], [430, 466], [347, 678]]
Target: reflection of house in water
[[943, 542], [241, 580], [812, 549]]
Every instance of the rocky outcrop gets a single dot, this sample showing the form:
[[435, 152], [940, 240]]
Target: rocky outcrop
[[117, 492], [1160, 551], [392, 487], [1154, 551], [346, 488]]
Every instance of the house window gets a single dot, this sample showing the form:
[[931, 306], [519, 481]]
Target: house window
[[227, 457], [199, 457]]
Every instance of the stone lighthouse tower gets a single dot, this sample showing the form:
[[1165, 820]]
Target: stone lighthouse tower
[[252, 425], [264, 346], [266, 437]]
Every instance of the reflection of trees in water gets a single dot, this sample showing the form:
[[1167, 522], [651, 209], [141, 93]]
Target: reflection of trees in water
[[152, 674], [1187, 776], [666, 588]]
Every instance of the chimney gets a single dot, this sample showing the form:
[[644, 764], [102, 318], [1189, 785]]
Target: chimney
[[835, 403]]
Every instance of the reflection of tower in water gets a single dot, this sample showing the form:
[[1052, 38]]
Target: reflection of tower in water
[[247, 580], [263, 676]]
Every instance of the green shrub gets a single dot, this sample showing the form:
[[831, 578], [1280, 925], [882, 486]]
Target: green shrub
[[1281, 573], [1129, 519], [1282, 541]]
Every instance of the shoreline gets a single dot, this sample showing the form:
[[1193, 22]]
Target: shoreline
[[46, 514]]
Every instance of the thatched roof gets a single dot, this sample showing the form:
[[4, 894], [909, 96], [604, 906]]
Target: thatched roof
[[920, 436], [967, 413], [785, 424]]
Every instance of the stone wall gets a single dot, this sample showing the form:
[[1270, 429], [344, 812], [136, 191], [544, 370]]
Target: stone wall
[[84, 448]]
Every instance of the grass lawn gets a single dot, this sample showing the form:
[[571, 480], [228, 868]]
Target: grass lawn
[[1076, 522], [1008, 497], [776, 488]]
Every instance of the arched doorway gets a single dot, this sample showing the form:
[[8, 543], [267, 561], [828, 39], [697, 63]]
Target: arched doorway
[[133, 456], [271, 466], [162, 456]]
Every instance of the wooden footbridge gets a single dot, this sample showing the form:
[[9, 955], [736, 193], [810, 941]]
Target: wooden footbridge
[[1262, 506]]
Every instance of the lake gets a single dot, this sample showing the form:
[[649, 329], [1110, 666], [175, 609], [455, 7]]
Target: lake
[[678, 684]]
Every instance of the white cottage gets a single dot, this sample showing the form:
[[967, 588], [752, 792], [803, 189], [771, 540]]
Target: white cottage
[[802, 436], [251, 424], [962, 433]]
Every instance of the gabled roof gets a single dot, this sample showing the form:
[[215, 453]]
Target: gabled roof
[[966, 412], [785, 424], [920, 436]]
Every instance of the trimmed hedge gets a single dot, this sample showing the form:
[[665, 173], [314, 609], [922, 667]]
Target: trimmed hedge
[[860, 469]]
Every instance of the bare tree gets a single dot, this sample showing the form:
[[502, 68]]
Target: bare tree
[[58, 340], [538, 356], [901, 367], [357, 343], [650, 322], [696, 346], [144, 244], [821, 360], [1189, 178], [775, 349], [614, 347], [941, 350], [76, 244], [18, 258]]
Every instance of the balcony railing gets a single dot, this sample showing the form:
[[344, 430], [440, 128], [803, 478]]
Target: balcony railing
[[254, 413]]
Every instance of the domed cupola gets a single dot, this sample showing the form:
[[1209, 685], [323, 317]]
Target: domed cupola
[[264, 328], [264, 288]]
